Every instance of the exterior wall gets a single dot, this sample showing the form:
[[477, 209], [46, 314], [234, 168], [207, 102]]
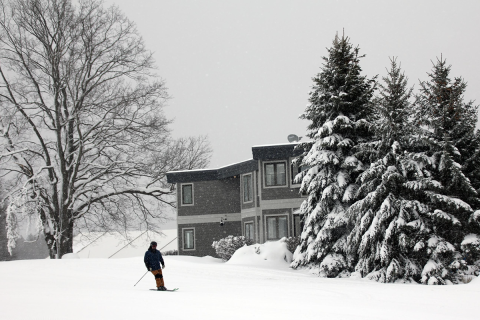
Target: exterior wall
[[213, 201], [252, 204], [279, 192], [250, 220], [211, 197], [205, 235], [278, 212]]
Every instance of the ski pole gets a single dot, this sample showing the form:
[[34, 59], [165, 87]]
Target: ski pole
[[140, 279]]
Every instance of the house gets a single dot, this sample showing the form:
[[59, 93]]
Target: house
[[256, 198]]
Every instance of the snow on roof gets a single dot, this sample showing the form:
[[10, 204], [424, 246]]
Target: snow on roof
[[276, 144], [211, 169], [232, 164]]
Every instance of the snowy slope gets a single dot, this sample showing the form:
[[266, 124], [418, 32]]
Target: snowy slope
[[211, 289], [99, 245]]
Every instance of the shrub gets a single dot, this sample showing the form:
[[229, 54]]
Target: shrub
[[226, 247], [170, 253], [292, 243]]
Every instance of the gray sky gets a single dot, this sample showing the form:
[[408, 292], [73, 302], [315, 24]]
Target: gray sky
[[240, 71]]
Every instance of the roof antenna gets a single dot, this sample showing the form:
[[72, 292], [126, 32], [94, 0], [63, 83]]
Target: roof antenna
[[293, 138]]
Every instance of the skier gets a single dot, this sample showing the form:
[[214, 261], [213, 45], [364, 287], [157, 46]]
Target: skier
[[152, 260]]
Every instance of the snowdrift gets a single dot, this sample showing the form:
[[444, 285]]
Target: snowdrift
[[271, 254]]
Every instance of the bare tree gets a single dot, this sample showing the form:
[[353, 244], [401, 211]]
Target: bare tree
[[83, 136]]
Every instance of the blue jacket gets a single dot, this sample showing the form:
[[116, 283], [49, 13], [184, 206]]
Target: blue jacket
[[153, 258]]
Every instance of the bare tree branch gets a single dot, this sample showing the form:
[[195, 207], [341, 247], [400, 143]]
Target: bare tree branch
[[84, 141]]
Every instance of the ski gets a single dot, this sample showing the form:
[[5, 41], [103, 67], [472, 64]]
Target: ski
[[166, 290]]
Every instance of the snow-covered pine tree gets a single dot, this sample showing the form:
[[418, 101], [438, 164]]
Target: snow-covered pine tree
[[379, 243], [471, 164], [447, 122], [339, 112]]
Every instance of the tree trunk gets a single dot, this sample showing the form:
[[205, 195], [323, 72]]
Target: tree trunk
[[53, 238], [66, 241], [52, 247]]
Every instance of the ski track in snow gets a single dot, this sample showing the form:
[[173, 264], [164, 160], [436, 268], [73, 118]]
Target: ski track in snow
[[211, 289]]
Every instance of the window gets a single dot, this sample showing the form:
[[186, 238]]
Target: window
[[188, 239], [249, 233], [277, 227], [275, 174], [187, 194], [295, 169], [297, 225], [247, 188]]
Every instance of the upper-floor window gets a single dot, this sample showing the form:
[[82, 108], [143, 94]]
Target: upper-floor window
[[296, 169], [275, 174], [187, 194], [247, 188]]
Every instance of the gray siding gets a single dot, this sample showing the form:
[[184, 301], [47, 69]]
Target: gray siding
[[281, 192], [212, 197], [252, 204], [205, 235], [275, 212], [246, 220]]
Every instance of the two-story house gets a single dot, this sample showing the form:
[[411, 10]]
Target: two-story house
[[255, 198]]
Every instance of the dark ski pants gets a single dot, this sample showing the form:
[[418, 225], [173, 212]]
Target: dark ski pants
[[158, 277]]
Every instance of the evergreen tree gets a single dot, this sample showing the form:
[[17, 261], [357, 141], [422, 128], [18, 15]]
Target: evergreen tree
[[384, 220], [448, 128], [339, 112]]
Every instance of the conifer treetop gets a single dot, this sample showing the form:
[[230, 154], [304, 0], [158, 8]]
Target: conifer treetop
[[339, 88]]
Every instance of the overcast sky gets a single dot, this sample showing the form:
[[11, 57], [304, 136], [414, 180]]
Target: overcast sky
[[240, 71]]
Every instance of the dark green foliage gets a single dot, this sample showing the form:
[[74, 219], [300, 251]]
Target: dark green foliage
[[226, 247], [292, 243], [339, 112], [416, 205], [170, 253], [399, 205], [449, 131], [381, 237]]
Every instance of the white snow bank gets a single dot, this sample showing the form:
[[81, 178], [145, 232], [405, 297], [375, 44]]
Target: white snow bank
[[272, 254], [105, 289], [70, 256], [475, 282]]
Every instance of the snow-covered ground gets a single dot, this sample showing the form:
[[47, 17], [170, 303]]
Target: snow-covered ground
[[244, 288], [100, 245]]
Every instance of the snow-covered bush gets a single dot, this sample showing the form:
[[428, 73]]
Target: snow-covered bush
[[332, 265], [271, 253], [292, 243], [170, 253], [471, 247], [226, 247]]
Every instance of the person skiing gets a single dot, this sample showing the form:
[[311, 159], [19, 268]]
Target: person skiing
[[153, 258]]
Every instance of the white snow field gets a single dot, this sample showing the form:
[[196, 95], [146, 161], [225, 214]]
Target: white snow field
[[246, 287]]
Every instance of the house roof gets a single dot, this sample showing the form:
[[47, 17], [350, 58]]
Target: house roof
[[212, 174], [275, 151], [261, 152]]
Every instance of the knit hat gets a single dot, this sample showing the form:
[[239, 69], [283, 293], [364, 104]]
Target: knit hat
[[153, 243]]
